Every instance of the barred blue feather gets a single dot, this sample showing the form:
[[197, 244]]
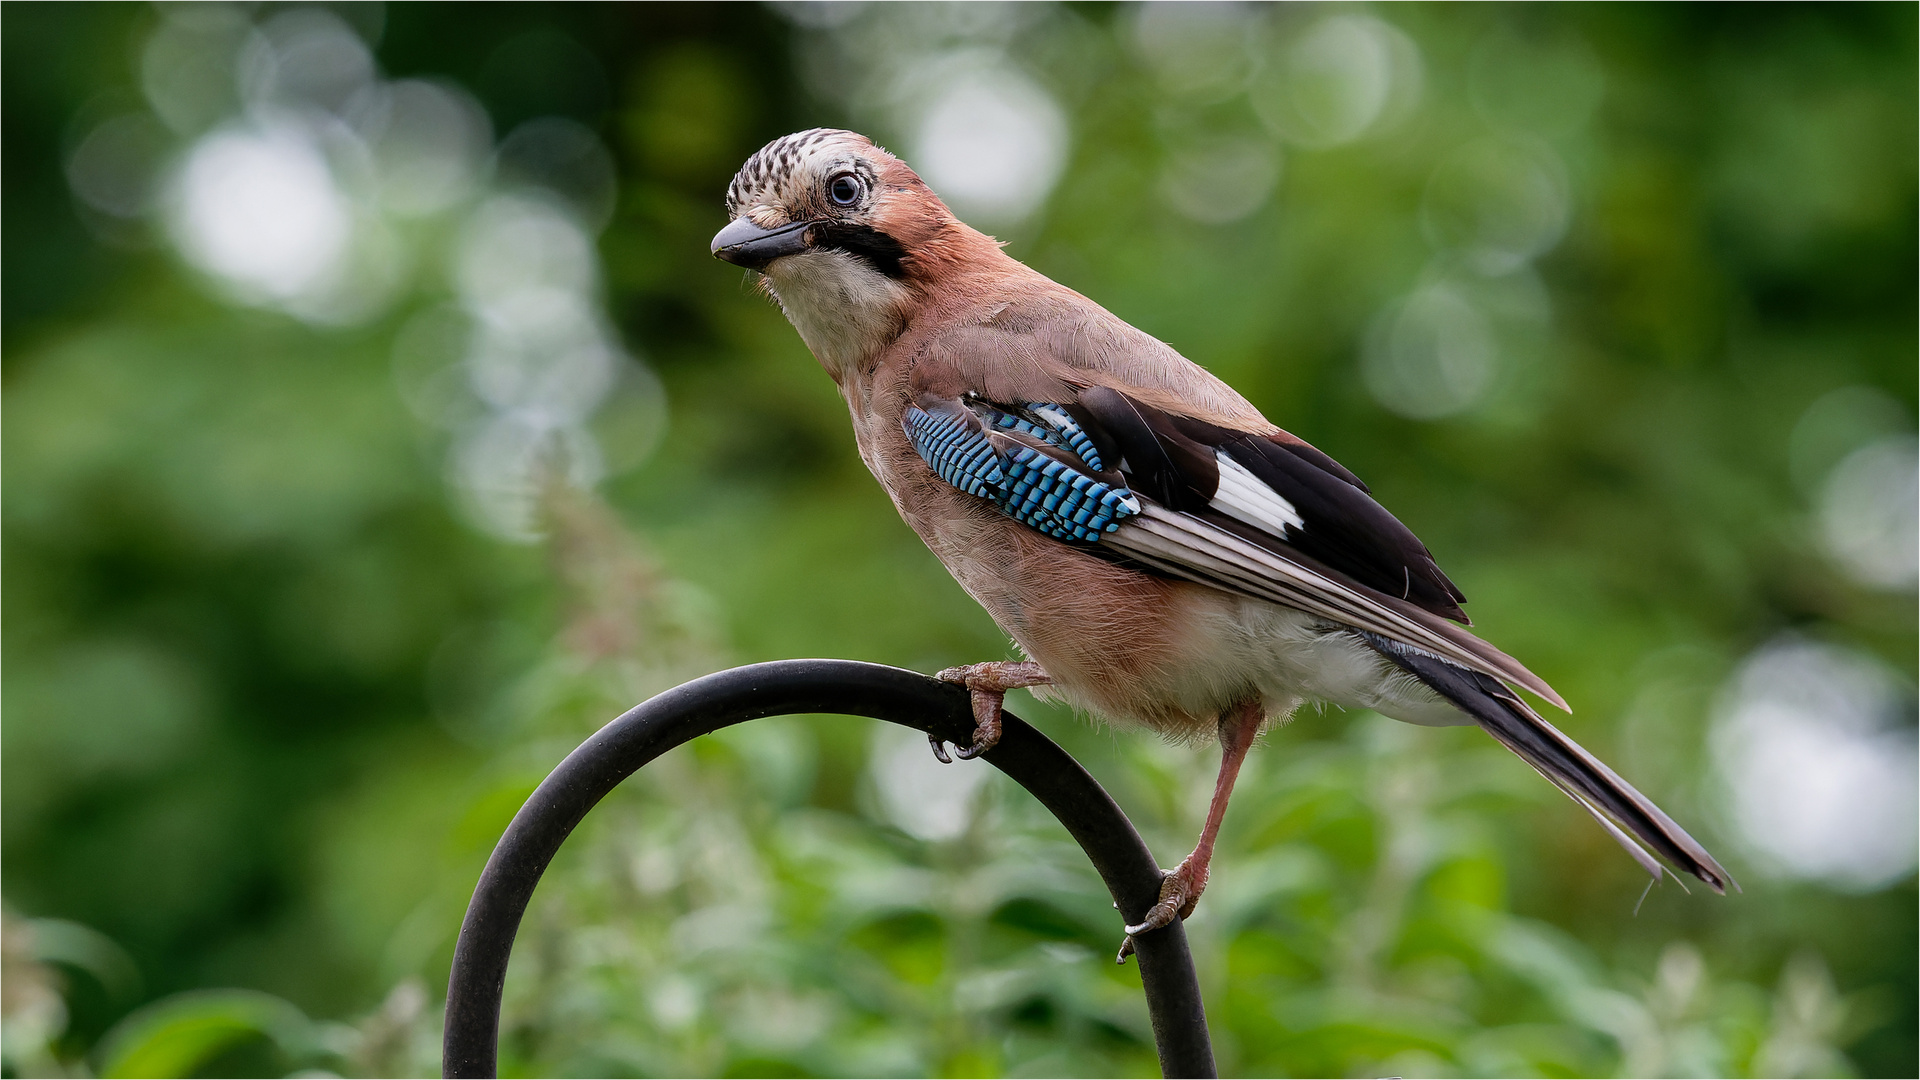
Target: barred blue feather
[[1051, 424], [958, 454], [1069, 432], [1029, 486]]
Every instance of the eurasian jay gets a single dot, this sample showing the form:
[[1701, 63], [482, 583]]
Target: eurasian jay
[[1161, 552]]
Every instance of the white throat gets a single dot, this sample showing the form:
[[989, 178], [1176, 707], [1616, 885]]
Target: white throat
[[845, 310]]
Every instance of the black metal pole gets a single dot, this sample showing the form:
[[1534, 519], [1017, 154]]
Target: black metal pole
[[471, 1044]]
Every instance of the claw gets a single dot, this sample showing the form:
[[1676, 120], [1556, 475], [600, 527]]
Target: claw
[[939, 749], [1180, 891], [1174, 904], [989, 684]]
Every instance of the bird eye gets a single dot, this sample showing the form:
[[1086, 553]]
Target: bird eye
[[844, 190]]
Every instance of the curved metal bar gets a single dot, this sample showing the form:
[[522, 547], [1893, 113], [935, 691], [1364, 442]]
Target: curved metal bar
[[613, 753]]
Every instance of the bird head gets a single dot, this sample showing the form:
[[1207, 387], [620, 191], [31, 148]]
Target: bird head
[[823, 191], [848, 238]]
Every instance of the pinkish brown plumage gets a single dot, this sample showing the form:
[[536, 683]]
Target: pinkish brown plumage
[[1164, 553]]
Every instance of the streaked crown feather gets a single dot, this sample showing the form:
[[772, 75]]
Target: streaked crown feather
[[782, 172]]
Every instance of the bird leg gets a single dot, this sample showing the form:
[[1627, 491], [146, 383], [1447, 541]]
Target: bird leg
[[989, 683], [1180, 889]]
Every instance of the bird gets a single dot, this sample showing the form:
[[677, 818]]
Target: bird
[[1160, 552]]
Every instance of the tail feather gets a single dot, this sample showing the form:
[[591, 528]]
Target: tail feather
[[1629, 816]]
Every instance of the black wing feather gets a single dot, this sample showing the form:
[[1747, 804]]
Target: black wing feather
[[1346, 529], [1317, 458], [1162, 462], [1171, 459]]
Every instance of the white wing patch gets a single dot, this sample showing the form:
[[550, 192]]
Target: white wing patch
[[1243, 497]]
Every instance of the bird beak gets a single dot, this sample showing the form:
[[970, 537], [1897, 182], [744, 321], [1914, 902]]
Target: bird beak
[[745, 244]]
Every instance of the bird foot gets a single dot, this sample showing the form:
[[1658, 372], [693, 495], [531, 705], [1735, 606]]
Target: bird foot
[[989, 684], [1180, 891]]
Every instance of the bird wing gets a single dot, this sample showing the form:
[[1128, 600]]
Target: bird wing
[[1263, 515]]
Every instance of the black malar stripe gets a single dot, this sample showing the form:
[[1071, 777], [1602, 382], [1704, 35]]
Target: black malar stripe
[[881, 251]]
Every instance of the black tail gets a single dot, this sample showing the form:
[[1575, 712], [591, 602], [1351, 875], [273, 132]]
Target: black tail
[[1611, 800]]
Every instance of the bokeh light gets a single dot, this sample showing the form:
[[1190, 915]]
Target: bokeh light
[[992, 141], [1868, 510], [1498, 203], [429, 143], [189, 64], [1433, 355], [258, 207], [540, 358], [918, 794], [1220, 180], [561, 157], [1816, 745], [1338, 80], [116, 167], [1836, 424], [1200, 51], [304, 57]]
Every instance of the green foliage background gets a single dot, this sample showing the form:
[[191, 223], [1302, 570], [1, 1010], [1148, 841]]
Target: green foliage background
[[269, 699]]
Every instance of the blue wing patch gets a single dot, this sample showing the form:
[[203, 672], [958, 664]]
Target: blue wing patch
[[959, 454], [1051, 424], [1031, 487]]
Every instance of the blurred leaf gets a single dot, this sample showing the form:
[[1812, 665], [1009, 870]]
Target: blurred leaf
[[178, 1035]]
